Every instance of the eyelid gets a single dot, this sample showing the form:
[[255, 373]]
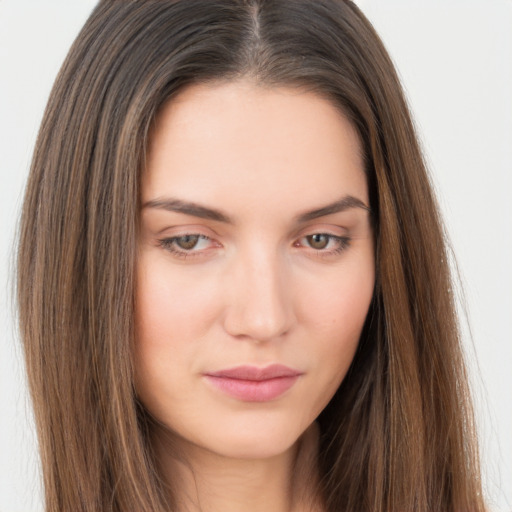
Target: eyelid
[[334, 230], [171, 231]]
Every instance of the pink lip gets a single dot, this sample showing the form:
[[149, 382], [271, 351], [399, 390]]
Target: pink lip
[[253, 384]]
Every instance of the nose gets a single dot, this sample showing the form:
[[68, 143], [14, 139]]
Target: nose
[[259, 298]]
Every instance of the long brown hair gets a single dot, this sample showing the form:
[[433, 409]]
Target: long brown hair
[[398, 435]]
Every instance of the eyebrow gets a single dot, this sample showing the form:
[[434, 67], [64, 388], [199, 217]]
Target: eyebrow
[[204, 212], [345, 203], [188, 208]]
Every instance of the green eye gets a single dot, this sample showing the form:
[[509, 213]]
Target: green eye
[[318, 241]]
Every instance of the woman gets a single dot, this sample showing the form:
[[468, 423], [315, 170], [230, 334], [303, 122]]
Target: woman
[[241, 298]]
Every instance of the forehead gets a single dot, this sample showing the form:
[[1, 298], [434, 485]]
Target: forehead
[[250, 145]]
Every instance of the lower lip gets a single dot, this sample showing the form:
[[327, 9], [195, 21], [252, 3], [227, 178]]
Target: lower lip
[[253, 390]]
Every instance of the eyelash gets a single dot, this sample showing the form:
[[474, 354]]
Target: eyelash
[[342, 243], [170, 245]]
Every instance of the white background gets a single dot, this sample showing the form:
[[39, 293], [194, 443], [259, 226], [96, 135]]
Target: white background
[[455, 59]]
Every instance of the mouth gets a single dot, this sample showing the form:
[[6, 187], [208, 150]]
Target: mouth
[[254, 384]]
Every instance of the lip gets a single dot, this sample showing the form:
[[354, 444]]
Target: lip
[[252, 383]]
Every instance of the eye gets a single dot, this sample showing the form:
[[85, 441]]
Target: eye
[[187, 242], [318, 241], [324, 243], [187, 245]]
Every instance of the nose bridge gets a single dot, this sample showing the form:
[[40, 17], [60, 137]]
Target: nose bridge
[[260, 305]]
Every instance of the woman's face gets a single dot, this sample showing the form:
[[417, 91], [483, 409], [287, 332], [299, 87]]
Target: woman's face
[[256, 265]]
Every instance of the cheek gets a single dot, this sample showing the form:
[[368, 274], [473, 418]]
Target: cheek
[[171, 305], [338, 304], [335, 312], [171, 320]]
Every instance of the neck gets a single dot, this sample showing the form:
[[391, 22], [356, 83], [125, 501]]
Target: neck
[[204, 481]]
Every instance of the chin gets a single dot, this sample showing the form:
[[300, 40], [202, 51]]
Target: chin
[[249, 441], [261, 447]]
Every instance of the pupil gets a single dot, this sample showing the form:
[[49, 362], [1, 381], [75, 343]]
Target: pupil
[[318, 241], [187, 242]]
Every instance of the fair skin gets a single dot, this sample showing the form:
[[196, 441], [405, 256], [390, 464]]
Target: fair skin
[[255, 274]]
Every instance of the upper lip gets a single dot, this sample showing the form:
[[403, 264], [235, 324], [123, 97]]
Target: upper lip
[[256, 373]]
